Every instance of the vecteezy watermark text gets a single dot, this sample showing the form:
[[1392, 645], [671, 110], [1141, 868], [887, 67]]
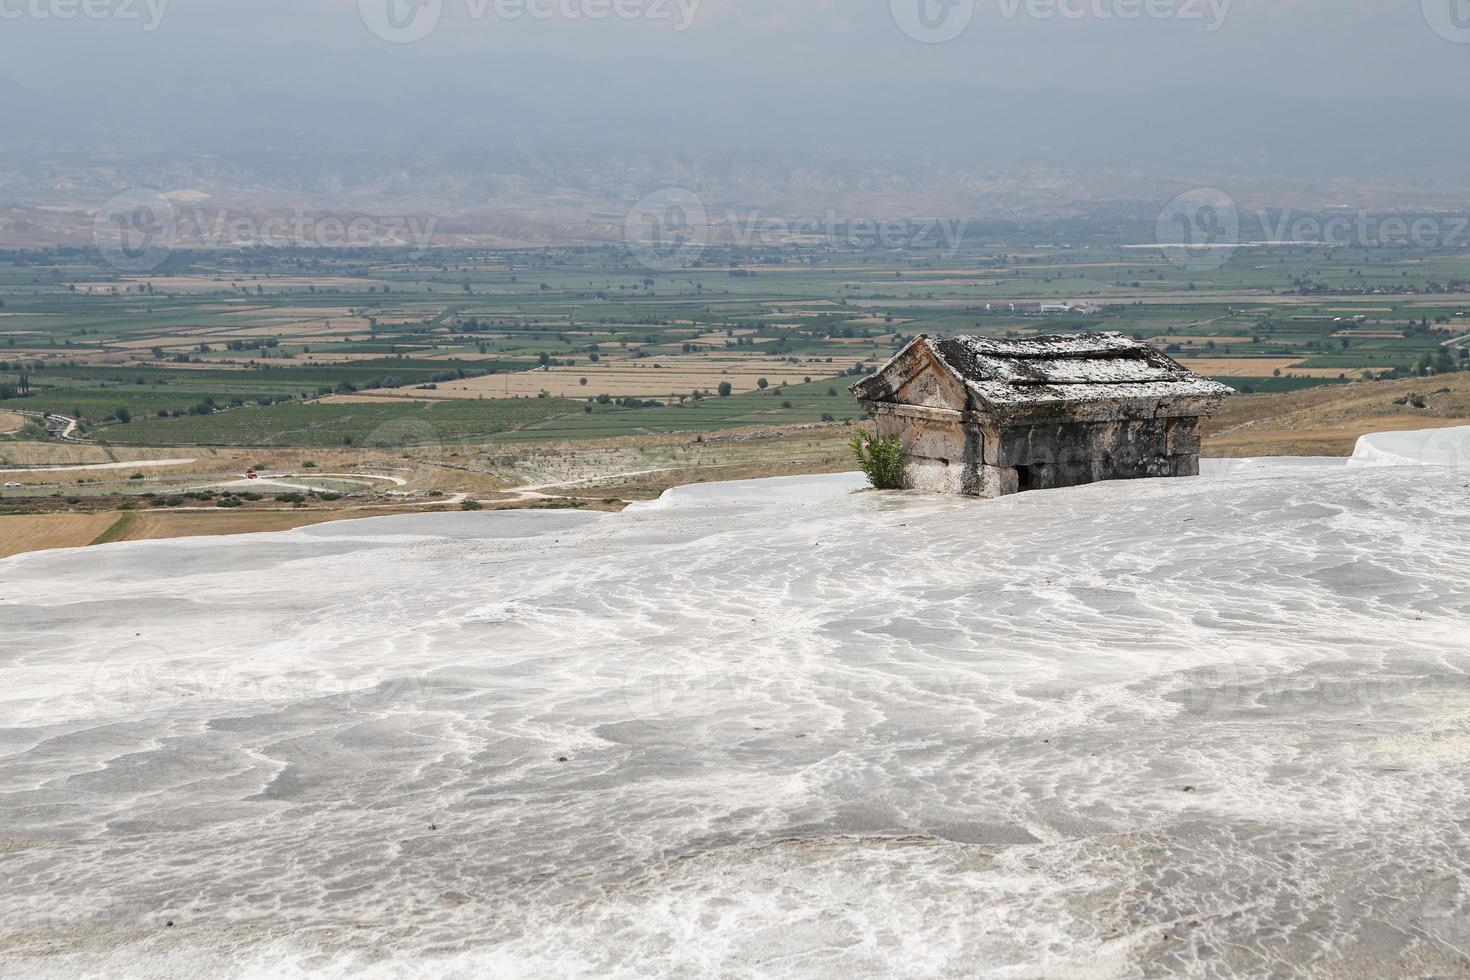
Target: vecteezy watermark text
[[1202, 229], [1210, 13], [670, 229], [136, 231], [752, 228], [148, 13], [303, 229], [937, 21], [406, 21]]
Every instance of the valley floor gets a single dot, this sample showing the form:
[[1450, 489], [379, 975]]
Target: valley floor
[[94, 495]]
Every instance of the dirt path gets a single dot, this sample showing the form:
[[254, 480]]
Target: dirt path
[[284, 479], [49, 419], [77, 467], [533, 492]]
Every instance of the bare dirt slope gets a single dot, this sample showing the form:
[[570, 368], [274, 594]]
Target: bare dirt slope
[[605, 474], [1327, 421]]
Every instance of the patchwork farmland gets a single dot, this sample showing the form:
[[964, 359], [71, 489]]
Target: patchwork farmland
[[578, 377]]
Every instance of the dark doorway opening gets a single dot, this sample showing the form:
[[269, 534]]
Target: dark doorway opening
[[1023, 479]]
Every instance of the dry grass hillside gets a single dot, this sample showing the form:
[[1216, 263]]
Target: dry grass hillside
[[1327, 421], [61, 508]]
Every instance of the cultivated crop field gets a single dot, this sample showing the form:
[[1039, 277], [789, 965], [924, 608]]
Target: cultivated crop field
[[321, 347], [37, 532]]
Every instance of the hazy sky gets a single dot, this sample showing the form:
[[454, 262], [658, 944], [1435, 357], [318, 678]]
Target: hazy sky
[[1313, 47]]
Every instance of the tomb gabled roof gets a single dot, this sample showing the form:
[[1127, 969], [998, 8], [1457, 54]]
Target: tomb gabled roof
[[1080, 371]]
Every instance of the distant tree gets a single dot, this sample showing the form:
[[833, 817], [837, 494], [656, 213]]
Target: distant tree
[[123, 415], [762, 384], [725, 389]]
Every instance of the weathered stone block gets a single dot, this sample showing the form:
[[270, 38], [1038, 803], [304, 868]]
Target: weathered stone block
[[992, 417]]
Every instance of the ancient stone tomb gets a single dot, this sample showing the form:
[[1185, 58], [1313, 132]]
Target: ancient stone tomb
[[992, 417]]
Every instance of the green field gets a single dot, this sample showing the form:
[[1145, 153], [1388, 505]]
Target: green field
[[225, 348]]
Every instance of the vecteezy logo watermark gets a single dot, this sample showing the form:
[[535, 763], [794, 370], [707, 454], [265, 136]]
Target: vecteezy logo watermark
[[932, 21], [134, 677], [148, 13], [1199, 229], [1199, 682], [136, 230], [401, 21], [667, 229], [406, 21], [937, 21], [1450, 19]]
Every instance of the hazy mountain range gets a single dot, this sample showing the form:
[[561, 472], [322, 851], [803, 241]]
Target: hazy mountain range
[[530, 146]]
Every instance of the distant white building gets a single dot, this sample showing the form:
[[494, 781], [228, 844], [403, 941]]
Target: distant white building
[[1044, 309]]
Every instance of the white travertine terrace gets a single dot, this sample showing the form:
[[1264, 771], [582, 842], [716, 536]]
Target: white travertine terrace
[[1211, 727], [1427, 447]]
